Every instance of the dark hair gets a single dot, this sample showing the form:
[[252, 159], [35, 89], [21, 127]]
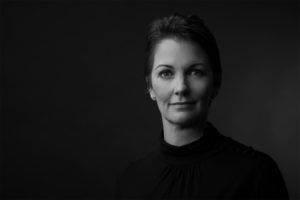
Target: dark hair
[[190, 28]]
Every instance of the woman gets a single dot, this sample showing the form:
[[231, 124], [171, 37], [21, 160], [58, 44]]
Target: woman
[[194, 161]]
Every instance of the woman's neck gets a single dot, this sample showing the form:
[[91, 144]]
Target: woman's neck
[[177, 135]]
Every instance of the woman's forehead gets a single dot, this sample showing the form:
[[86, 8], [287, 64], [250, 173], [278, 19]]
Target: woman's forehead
[[178, 52]]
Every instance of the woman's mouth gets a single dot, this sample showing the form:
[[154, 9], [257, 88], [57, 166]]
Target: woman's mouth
[[184, 104]]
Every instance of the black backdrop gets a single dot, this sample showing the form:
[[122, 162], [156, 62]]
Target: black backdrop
[[74, 107]]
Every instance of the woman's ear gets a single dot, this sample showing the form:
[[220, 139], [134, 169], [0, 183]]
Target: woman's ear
[[152, 95], [150, 90]]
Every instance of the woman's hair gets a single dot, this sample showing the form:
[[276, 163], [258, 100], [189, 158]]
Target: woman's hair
[[181, 27]]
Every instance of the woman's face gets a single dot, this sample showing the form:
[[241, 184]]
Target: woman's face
[[181, 81]]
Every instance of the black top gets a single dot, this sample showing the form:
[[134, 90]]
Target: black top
[[212, 167]]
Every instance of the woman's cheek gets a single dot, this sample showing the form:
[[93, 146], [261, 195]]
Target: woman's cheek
[[163, 91], [203, 89]]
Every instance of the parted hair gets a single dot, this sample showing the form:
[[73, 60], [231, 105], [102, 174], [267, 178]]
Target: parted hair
[[182, 27]]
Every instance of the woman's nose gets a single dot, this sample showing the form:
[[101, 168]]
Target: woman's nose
[[181, 86]]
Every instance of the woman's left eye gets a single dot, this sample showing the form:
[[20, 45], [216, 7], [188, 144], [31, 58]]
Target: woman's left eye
[[196, 72]]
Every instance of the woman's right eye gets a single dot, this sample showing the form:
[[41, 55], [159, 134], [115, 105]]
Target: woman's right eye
[[166, 74]]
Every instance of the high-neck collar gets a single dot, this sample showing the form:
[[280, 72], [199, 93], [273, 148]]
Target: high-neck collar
[[211, 137]]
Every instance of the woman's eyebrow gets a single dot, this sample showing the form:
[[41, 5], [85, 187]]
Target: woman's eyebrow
[[164, 65], [190, 66], [197, 64]]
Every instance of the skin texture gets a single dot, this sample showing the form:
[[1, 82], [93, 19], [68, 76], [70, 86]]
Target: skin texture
[[181, 73]]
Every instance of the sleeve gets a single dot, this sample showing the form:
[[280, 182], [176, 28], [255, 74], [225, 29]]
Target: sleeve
[[270, 183]]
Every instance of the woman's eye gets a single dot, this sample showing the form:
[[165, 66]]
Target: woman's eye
[[166, 74], [196, 72]]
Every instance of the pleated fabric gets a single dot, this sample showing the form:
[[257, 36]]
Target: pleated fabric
[[212, 167]]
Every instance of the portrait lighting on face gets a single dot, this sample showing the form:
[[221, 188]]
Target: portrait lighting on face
[[182, 82]]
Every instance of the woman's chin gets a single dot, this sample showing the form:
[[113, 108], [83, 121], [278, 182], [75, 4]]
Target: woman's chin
[[183, 119]]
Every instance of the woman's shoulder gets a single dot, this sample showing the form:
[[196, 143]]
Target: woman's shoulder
[[268, 178], [239, 151], [231, 148]]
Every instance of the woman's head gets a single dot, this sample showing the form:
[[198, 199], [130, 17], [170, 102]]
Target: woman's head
[[183, 70], [185, 28]]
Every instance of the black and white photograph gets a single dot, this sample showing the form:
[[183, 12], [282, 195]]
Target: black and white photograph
[[150, 99]]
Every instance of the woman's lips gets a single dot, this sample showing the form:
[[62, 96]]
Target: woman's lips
[[183, 105]]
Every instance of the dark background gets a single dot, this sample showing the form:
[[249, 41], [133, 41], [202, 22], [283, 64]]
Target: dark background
[[74, 107]]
